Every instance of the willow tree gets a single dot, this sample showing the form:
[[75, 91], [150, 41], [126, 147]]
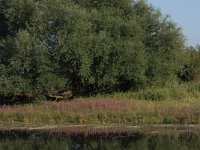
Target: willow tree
[[94, 48], [85, 46], [164, 43]]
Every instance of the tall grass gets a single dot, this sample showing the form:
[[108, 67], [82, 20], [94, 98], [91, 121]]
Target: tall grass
[[172, 104], [169, 91], [104, 111]]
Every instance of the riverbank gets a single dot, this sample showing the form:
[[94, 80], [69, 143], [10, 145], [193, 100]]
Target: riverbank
[[88, 137], [104, 111], [98, 130]]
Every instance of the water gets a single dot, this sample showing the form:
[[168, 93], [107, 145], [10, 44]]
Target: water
[[135, 142]]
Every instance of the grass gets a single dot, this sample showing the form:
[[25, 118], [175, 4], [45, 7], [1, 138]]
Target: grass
[[172, 104], [104, 111], [169, 91]]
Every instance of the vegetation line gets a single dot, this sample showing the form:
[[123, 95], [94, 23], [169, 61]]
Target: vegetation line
[[90, 47], [104, 111]]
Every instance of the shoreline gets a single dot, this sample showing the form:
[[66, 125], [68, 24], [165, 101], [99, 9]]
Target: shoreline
[[96, 130], [14, 126]]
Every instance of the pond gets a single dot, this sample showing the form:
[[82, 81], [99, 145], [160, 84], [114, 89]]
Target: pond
[[39, 141]]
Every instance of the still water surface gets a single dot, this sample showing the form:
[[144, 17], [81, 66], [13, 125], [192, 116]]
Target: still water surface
[[136, 142]]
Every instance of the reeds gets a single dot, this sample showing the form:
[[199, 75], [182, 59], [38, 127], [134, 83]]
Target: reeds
[[104, 111]]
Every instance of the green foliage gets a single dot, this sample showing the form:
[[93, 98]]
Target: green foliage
[[15, 15], [86, 46], [46, 84], [191, 69], [164, 43], [154, 94], [89, 49]]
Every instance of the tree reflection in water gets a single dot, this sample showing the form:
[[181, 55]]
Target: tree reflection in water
[[137, 142]]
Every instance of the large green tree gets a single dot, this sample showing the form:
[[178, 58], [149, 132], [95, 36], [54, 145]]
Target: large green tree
[[86, 46], [164, 43]]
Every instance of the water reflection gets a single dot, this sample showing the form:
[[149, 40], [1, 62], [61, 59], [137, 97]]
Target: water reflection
[[137, 142]]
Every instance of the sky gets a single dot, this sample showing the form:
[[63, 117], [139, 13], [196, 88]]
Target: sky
[[186, 13]]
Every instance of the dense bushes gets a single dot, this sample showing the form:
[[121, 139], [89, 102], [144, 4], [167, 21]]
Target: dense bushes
[[86, 46], [191, 69]]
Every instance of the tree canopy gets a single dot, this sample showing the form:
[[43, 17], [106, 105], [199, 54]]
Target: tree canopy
[[85, 46]]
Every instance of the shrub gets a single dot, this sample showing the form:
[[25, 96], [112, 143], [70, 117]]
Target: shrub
[[154, 94]]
